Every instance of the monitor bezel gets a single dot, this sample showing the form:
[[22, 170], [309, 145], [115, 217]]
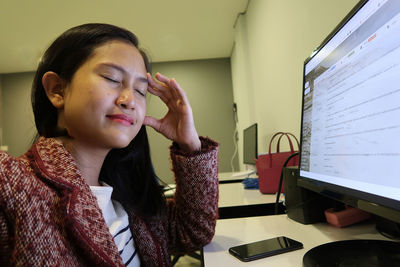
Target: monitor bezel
[[256, 144], [381, 206]]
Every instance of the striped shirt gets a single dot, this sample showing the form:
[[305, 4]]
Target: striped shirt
[[118, 223]]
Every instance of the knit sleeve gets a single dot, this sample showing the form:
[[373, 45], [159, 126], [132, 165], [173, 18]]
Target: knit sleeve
[[193, 211], [7, 166], [4, 241], [5, 237]]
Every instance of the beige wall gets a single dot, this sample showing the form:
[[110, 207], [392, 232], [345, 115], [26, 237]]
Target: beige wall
[[207, 83], [17, 117], [272, 40]]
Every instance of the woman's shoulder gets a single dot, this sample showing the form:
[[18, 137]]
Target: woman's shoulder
[[6, 161], [18, 181], [9, 169], [12, 168]]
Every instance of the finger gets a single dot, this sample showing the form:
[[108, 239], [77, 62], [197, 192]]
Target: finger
[[179, 92], [158, 85], [173, 85], [158, 89], [171, 93], [162, 78], [152, 122], [151, 79], [170, 82], [153, 91], [166, 98], [175, 96], [180, 98]]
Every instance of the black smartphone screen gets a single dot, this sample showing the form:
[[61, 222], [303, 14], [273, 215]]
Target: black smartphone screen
[[265, 248]]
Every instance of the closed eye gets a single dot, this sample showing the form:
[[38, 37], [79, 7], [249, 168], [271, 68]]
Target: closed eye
[[110, 79], [140, 92]]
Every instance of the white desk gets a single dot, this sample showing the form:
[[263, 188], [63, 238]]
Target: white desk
[[234, 194], [235, 176], [232, 232], [235, 201]]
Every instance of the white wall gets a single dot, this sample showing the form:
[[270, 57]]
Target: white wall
[[272, 40], [17, 117]]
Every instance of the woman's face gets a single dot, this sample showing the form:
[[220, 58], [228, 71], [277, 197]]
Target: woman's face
[[105, 102]]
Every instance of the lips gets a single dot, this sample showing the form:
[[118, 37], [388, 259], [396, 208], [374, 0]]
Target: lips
[[121, 118]]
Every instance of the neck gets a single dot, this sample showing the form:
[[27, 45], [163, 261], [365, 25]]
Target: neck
[[89, 159]]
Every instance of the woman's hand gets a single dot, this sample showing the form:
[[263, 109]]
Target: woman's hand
[[177, 124]]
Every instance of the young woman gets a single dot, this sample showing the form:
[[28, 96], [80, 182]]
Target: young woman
[[86, 192]]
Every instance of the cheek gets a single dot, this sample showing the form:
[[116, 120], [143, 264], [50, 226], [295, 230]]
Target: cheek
[[144, 107], [99, 100], [141, 106]]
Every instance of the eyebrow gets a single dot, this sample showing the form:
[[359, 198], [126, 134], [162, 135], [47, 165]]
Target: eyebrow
[[121, 69]]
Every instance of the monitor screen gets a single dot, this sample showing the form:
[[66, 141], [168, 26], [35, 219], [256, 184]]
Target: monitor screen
[[250, 144], [350, 144]]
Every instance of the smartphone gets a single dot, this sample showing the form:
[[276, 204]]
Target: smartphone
[[265, 248]]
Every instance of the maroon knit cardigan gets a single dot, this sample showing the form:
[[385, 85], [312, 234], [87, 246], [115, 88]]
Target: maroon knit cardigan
[[49, 216]]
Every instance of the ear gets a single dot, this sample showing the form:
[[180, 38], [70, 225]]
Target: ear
[[54, 87]]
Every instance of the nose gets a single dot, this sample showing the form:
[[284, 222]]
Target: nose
[[126, 99]]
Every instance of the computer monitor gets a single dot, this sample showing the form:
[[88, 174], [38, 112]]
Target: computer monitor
[[350, 145], [250, 145]]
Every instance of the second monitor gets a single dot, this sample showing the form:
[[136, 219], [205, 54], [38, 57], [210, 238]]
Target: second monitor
[[250, 145]]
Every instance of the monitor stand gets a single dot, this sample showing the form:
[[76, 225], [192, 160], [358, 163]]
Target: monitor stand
[[354, 253], [388, 228]]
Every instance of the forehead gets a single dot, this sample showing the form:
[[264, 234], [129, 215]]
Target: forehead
[[118, 52]]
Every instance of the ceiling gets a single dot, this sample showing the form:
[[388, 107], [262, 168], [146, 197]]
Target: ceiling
[[170, 30]]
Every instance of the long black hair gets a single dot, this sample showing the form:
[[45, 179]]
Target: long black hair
[[128, 170]]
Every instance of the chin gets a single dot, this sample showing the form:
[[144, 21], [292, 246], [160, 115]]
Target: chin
[[117, 139], [121, 142]]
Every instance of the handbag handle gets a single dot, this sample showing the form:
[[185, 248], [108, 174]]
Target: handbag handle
[[279, 143], [288, 135], [280, 134]]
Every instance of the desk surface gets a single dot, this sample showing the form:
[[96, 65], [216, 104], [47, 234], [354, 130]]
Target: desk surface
[[235, 176], [232, 232], [234, 194], [235, 201]]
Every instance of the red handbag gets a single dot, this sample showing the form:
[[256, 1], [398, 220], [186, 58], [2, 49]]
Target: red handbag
[[269, 166]]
